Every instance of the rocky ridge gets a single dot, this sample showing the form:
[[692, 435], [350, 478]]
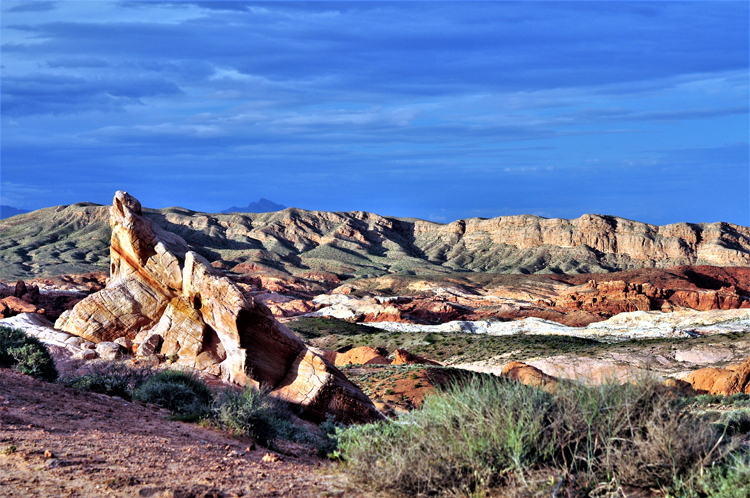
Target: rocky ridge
[[73, 239]]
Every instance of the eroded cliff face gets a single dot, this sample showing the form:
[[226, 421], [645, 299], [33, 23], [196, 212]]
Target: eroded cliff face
[[622, 243], [158, 286], [69, 239]]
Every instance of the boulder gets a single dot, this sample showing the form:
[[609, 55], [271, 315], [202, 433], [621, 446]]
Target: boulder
[[16, 305], [364, 355], [149, 346], [528, 375], [727, 381], [125, 343], [20, 289], [158, 285], [108, 350], [85, 354]]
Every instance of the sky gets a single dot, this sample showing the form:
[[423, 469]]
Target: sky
[[432, 110]]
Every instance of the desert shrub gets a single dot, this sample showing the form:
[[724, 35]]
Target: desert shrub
[[114, 378], [730, 480], [632, 433], [180, 392], [461, 441], [735, 422], [26, 354], [328, 441], [258, 415], [494, 431]]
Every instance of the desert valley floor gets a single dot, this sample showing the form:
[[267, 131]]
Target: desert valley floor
[[346, 314]]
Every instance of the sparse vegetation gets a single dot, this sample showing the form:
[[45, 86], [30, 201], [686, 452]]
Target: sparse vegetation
[[267, 419], [256, 414], [495, 433], [730, 480], [329, 443], [313, 327], [114, 378], [332, 334], [180, 392], [26, 354]]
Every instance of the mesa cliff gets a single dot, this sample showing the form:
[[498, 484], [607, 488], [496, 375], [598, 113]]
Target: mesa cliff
[[74, 239]]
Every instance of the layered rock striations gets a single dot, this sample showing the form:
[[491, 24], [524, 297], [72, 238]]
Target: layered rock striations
[[574, 300], [158, 286], [71, 239]]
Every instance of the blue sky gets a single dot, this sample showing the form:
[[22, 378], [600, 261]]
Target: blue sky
[[435, 110]]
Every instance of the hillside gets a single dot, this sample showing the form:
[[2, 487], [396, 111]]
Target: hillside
[[75, 239]]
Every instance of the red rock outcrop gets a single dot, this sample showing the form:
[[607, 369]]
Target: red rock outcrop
[[574, 300], [609, 298], [363, 355], [367, 355], [528, 375], [205, 320], [727, 381], [403, 357], [27, 298]]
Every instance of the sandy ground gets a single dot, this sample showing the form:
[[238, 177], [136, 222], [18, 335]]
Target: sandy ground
[[71, 443]]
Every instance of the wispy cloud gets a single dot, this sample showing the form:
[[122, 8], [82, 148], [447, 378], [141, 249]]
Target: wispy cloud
[[399, 107]]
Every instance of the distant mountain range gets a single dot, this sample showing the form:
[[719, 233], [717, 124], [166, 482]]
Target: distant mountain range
[[262, 206], [75, 239], [8, 211]]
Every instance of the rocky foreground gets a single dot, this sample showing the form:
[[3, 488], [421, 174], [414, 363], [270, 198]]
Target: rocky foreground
[[71, 443]]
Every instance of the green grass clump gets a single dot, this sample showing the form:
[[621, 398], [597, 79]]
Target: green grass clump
[[731, 480], [26, 354], [180, 392], [495, 432], [113, 378], [258, 415]]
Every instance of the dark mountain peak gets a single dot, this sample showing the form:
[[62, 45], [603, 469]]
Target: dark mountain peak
[[8, 211], [262, 206]]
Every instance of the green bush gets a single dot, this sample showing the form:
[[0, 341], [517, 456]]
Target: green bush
[[731, 480], [26, 354], [114, 378], [180, 392], [493, 432], [735, 422], [328, 442], [258, 415]]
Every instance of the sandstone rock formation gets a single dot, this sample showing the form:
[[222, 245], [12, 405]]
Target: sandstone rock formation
[[727, 381], [367, 355], [38, 326], [27, 298], [622, 327], [528, 375], [573, 300], [363, 355], [158, 285], [700, 288]]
